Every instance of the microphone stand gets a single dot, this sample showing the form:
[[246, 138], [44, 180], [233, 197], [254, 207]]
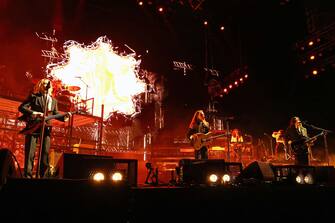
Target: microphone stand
[[325, 132], [86, 86], [271, 143], [45, 100], [226, 119]]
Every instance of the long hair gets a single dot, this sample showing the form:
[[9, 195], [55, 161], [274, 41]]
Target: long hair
[[38, 88], [293, 120], [195, 119]]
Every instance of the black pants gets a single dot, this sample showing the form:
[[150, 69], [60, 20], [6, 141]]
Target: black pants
[[201, 154], [301, 157], [29, 156]]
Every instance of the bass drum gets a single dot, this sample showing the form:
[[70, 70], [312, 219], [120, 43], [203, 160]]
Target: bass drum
[[64, 103]]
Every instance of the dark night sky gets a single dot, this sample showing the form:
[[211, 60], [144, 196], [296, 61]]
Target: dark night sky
[[259, 34]]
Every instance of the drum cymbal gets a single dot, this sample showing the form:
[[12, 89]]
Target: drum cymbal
[[73, 88], [67, 93]]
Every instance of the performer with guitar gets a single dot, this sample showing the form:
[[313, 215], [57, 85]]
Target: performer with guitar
[[296, 136], [197, 128], [35, 109]]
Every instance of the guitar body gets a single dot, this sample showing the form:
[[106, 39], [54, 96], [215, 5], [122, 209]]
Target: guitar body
[[35, 124], [298, 145], [200, 140], [31, 127]]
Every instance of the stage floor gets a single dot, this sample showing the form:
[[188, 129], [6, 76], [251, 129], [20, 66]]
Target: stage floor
[[56, 200]]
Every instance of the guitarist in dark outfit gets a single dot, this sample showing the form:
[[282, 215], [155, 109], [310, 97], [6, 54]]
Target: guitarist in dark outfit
[[296, 136], [198, 125], [33, 109]]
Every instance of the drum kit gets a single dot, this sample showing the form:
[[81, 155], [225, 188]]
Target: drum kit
[[68, 97]]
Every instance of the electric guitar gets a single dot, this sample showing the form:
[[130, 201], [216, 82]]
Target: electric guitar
[[34, 124], [295, 145], [201, 139]]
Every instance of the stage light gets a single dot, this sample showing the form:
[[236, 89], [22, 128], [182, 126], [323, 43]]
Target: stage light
[[222, 28], [299, 179], [205, 23], [315, 72], [98, 176], [226, 178], [117, 176], [312, 57], [310, 43], [161, 9], [308, 179], [140, 3], [246, 76], [213, 178], [304, 179], [230, 86]]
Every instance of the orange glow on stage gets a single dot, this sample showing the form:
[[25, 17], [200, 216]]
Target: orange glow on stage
[[111, 79]]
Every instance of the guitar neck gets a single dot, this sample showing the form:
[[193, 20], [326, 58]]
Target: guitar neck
[[57, 116], [314, 137], [54, 117], [216, 136]]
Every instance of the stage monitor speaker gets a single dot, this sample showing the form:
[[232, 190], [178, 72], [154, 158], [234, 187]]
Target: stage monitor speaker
[[82, 166], [7, 166], [325, 175], [257, 170], [197, 171]]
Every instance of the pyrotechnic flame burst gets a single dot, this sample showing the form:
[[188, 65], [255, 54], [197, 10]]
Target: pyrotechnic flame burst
[[101, 73]]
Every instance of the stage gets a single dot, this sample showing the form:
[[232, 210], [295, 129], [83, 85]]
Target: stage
[[56, 200]]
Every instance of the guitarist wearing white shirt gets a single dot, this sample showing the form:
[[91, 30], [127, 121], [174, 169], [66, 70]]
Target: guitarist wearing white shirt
[[33, 109], [198, 124]]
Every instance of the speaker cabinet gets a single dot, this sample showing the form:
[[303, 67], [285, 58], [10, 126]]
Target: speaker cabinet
[[259, 171], [197, 171], [80, 166], [325, 175], [7, 166]]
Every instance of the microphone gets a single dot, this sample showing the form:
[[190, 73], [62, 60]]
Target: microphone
[[48, 85]]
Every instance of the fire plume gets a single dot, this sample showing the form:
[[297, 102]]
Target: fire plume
[[102, 74]]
